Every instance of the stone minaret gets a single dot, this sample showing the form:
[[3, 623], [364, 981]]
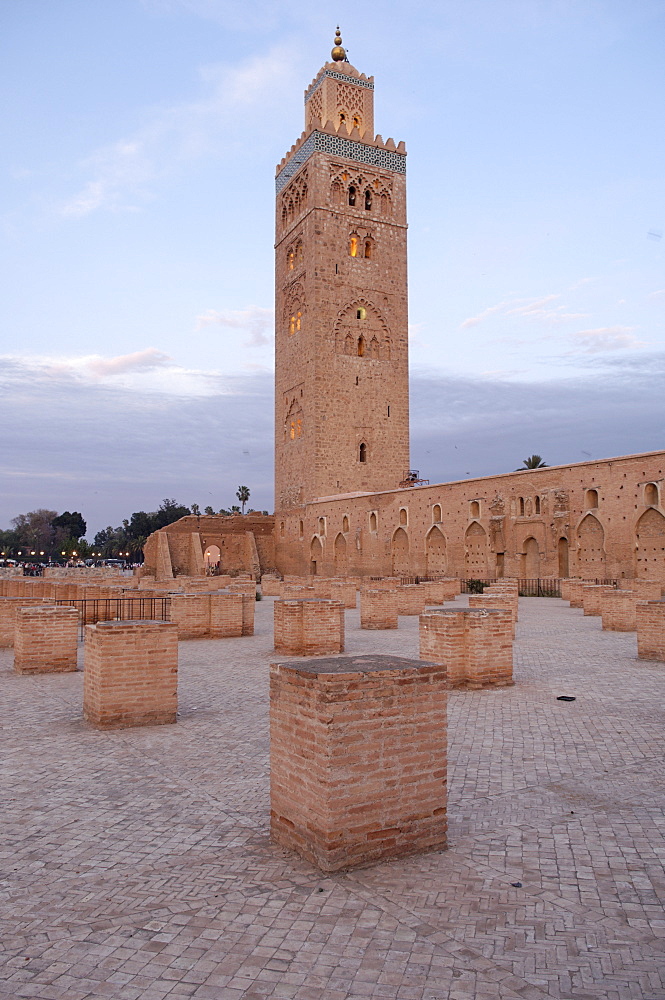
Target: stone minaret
[[341, 348]]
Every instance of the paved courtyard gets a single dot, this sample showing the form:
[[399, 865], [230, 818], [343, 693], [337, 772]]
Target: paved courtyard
[[137, 864]]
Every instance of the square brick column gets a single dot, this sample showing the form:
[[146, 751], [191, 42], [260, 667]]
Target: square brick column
[[592, 596], [9, 607], [296, 591], [411, 599], [647, 590], [271, 586], [576, 592], [45, 640], [131, 674], [344, 591], [358, 759], [474, 645], [378, 609], [191, 614], [650, 630], [309, 627], [500, 601], [226, 614], [617, 609]]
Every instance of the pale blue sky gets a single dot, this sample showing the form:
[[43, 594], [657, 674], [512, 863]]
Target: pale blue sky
[[136, 206]]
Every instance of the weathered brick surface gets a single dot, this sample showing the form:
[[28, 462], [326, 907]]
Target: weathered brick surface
[[474, 645], [358, 759], [592, 597], [45, 639], [617, 609], [191, 614], [344, 591], [9, 607], [650, 617], [378, 609], [131, 674], [575, 591], [308, 627], [411, 599], [226, 612], [501, 601]]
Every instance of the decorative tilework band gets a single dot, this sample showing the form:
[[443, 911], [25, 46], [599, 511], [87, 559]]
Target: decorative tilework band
[[337, 76], [321, 142]]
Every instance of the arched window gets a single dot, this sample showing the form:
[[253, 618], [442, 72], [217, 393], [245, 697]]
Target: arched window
[[352, 195], [651, 495], [290, 257], [537, 503], [356, 121], [345, 523], [368, 249], [299, 252], [474, 508], [436, 513], [301, 528], [403, 516], [298, 320], [368, 200], [348, 344], [361, 312], [591, 500], [374, 348], [385, 205], [322, 525], [372, 521], [521, 506], [342, 117], [353, 246], [362, 452], [361, 347], [336, 192], [281, 528]]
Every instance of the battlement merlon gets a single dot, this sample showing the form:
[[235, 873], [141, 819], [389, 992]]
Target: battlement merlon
[[339, 142]]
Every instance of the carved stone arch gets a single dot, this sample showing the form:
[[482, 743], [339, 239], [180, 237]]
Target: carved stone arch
[[361, 317], [650, 539], [336, 192], [590, 548], [294, 308], [530, 559], [475, 550], [385, 202], [436, 561], [400, 553], [293, 423]]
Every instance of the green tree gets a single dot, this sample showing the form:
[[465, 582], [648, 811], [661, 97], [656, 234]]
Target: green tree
[[532, 462], [196, 510], [243, 496], [71, 524], [208, 510]]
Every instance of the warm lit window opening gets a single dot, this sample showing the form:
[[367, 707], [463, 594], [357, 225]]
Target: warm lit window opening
[[361, 313], [291, 259], [353, 246], [356, 121], [361, 347]]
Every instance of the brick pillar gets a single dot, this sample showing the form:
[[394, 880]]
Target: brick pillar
[[647, 590], [191, 613], [475, 645], [322, 586], [8, 609], [226, 614], [45, 639], [271, 585], [378, 609], [500, 601], [345, 592], [650, 630], [411, 599], [296, 591], [617, 608], [576, 592], [309, 627], [564, 589], [248, 612], [131, 674], [592, 597], [358, 759]]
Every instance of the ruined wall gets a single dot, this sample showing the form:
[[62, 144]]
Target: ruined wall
[[592, 519], [245, 544]]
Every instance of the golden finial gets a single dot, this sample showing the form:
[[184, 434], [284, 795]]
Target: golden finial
[[338, 53]]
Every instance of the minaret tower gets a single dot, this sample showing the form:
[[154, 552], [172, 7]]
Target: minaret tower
[[341, 349]]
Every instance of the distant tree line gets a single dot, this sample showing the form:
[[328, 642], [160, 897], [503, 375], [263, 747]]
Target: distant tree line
[[44, 535]]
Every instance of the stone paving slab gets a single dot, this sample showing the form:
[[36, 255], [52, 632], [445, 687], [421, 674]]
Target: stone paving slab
[[137, 865]]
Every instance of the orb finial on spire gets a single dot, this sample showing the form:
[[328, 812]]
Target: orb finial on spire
[[338, 53]]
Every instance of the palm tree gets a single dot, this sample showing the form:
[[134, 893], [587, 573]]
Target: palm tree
[[532, 462], [243, 496]]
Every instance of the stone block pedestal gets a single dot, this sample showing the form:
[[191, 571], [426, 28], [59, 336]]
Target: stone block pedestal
[[45, 639], [358, 758], [309, 627], [474, 645]]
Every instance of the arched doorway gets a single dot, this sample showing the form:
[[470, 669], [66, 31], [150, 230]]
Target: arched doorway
[[435, 552], [651, 546], [212, 559], [531, 559], [400, 550], [315, 556], [562, 549], [340, 554], [591, 551], [475, 554]]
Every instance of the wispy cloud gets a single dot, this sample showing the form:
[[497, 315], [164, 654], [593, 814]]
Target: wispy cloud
[[657, 295], [255, 321], [609, 338], [122, 174], [531, 308]]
